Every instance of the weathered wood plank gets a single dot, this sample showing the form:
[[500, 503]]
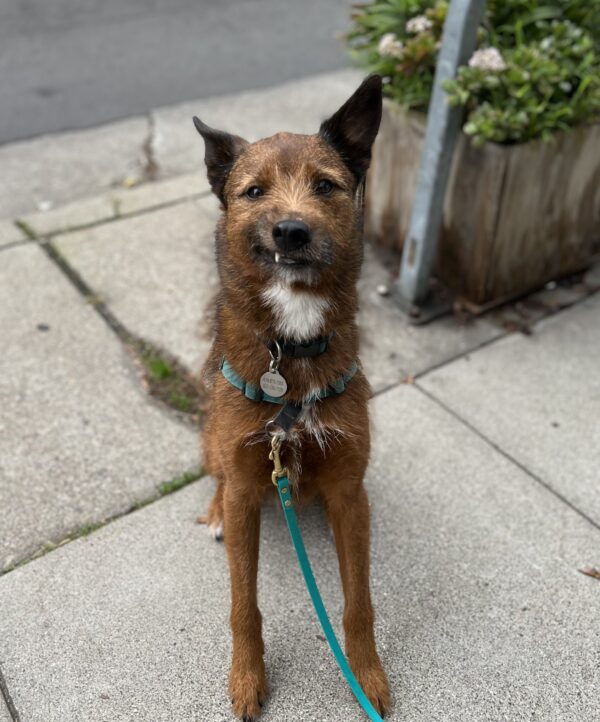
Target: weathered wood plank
[[515, 216], [392, 180], [549, 217], [471, 212]]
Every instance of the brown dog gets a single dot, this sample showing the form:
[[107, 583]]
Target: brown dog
[[289, 252]]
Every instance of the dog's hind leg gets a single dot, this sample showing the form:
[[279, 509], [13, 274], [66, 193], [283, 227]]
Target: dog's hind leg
[[212, 465], [214, 516]]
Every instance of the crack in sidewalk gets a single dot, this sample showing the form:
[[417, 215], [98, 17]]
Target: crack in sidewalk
[[163, 377], [164, 489], [15, 244], [503, 332], [151, 168], [32, 234], [506, 455], [411, 378], [8, 700]]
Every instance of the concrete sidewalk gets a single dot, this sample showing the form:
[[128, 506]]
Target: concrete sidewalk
[[484, 479]]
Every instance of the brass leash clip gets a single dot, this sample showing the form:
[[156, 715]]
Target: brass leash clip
[[278, 470]]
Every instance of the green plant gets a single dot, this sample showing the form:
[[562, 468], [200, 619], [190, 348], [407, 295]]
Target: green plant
[[181, 402], [536, 70], [381, 41], [167, 379], [158, 367], [179, 482]]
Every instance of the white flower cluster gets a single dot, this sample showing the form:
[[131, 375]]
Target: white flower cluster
[[487, 59], [390, 45], [418, 24]]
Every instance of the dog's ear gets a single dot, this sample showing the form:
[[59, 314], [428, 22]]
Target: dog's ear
[[221, 150], [352, 129]]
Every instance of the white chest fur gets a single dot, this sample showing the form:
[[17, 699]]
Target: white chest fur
[[298, 314]]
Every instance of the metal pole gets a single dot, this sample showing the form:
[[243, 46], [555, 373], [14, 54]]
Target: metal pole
[[443, 125]]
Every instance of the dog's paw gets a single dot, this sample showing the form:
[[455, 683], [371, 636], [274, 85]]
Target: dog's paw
[[216, 530], [375, 685], [248, 692], [214, 526]]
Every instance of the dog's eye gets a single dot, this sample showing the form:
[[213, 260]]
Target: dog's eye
[[254, 192], [324, 187]]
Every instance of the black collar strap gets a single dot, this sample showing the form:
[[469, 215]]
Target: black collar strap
[[312, 347], [286, 418]]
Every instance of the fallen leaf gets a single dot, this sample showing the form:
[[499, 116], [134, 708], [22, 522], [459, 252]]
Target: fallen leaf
[[130, 182], [590, 572]]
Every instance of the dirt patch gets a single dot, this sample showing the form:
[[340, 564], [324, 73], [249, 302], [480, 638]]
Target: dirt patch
[[167, 380]]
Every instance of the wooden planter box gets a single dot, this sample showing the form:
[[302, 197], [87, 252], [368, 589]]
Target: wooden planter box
[[515, 216]]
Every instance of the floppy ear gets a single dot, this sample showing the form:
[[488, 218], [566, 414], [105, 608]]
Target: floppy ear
[[352, 129], [221, 150]]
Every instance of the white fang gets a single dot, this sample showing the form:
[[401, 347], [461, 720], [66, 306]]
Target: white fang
[[298, 314]]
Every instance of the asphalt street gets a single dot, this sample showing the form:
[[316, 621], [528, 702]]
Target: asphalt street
[[68, 64]]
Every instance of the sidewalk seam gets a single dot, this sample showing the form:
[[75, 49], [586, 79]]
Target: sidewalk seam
[[455, 357], [86, 291], [5, 694], [167, 488], [507, 456], [137, 347], [27, 227], [502, 334], [125, 337], [16, 244]]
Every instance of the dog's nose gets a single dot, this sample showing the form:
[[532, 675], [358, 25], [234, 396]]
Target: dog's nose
[[291, 235]]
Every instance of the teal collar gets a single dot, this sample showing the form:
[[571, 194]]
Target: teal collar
[[255, 393]]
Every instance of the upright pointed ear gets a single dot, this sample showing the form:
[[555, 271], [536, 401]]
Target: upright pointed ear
[[221, 150], [352, 129]]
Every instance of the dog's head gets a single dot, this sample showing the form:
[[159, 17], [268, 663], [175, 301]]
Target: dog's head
[[291, 202]]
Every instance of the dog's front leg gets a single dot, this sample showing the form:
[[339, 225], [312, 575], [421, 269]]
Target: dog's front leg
[[348, 512], [247, 684]]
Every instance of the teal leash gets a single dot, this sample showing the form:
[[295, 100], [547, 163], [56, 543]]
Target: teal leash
[[283, 487]]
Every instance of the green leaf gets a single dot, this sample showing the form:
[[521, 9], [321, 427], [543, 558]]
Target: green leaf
[[552, 53]]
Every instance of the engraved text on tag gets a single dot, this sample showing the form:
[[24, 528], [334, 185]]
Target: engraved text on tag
[[273, 384]]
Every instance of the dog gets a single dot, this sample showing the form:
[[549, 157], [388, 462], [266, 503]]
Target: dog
[[289, 250]]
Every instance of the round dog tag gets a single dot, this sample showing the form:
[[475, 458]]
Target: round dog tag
[[273, 384]]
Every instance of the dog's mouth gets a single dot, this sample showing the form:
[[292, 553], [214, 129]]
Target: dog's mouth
[[278, 259]]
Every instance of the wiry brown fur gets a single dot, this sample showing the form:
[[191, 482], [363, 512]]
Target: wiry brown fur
[[329, 451]]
